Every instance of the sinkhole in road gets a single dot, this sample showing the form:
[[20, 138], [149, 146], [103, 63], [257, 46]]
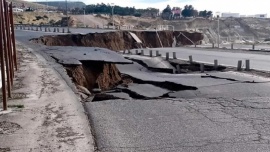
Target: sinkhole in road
[[122, 40], [115, 84]]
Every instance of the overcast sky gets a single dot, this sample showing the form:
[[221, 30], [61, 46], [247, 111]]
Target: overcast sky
[[244, 7]]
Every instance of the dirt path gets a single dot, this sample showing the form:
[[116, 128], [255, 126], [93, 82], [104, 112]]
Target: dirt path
[[46, 114]]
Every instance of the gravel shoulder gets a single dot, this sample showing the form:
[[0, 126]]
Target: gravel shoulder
[[46, 115]]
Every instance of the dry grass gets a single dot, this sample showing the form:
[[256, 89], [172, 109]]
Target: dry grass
[[36, 18], [18, 3]]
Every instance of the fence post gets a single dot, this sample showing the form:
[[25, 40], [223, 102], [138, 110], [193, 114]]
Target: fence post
[[150, 53], [2, 43], [9, 44], [6, 51], [13, 37]]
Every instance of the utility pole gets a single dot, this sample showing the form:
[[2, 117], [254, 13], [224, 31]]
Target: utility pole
[[112, 14], [67, 16], [84, 17], [218, 31]]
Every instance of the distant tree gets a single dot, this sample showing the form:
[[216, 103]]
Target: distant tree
[[167, 12], [205, 14], [188, 11], [137, 14], [209, 14], [118, 10], [167, 9], [176, 12]]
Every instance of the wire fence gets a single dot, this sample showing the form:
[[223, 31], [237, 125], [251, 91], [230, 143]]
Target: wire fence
[[8, 54]]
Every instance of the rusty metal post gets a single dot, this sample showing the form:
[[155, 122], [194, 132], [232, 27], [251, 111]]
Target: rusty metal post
[[4, 91], [9, 47], [4, 36], [13, 38], [6, 49]]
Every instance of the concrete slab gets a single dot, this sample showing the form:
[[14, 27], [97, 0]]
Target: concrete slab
[[147, 90], [237, 76], [85, 54], [152, 62], [70, 61], [121, 95]]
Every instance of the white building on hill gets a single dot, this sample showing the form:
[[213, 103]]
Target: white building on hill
[[260, 16], [226, 15]]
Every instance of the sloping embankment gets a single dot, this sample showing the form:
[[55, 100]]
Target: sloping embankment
[[121, 40]]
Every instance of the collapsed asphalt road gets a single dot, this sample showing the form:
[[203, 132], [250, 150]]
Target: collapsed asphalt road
[[222, 112], [228, 111]]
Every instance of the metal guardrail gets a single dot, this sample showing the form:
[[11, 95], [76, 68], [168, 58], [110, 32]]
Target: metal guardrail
[[8, 53]]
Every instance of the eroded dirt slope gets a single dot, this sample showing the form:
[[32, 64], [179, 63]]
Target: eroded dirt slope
[[121, 40]]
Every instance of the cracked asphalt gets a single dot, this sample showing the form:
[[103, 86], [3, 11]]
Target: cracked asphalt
[[228, 117], [190, 125]]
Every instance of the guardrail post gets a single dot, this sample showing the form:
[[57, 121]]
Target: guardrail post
[[136, 52], [247, 65], [54, 29], [167, 55], [36, 28], [58, 30], [150, 53], [213, 45], [190, 59], [49, 29], [40, 28], [63, 30], [215, 64], [253, 47], [45, 29], [178, 68], [174, 55], [239, 65], [157, 53], [202, 67], [142, 52]]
